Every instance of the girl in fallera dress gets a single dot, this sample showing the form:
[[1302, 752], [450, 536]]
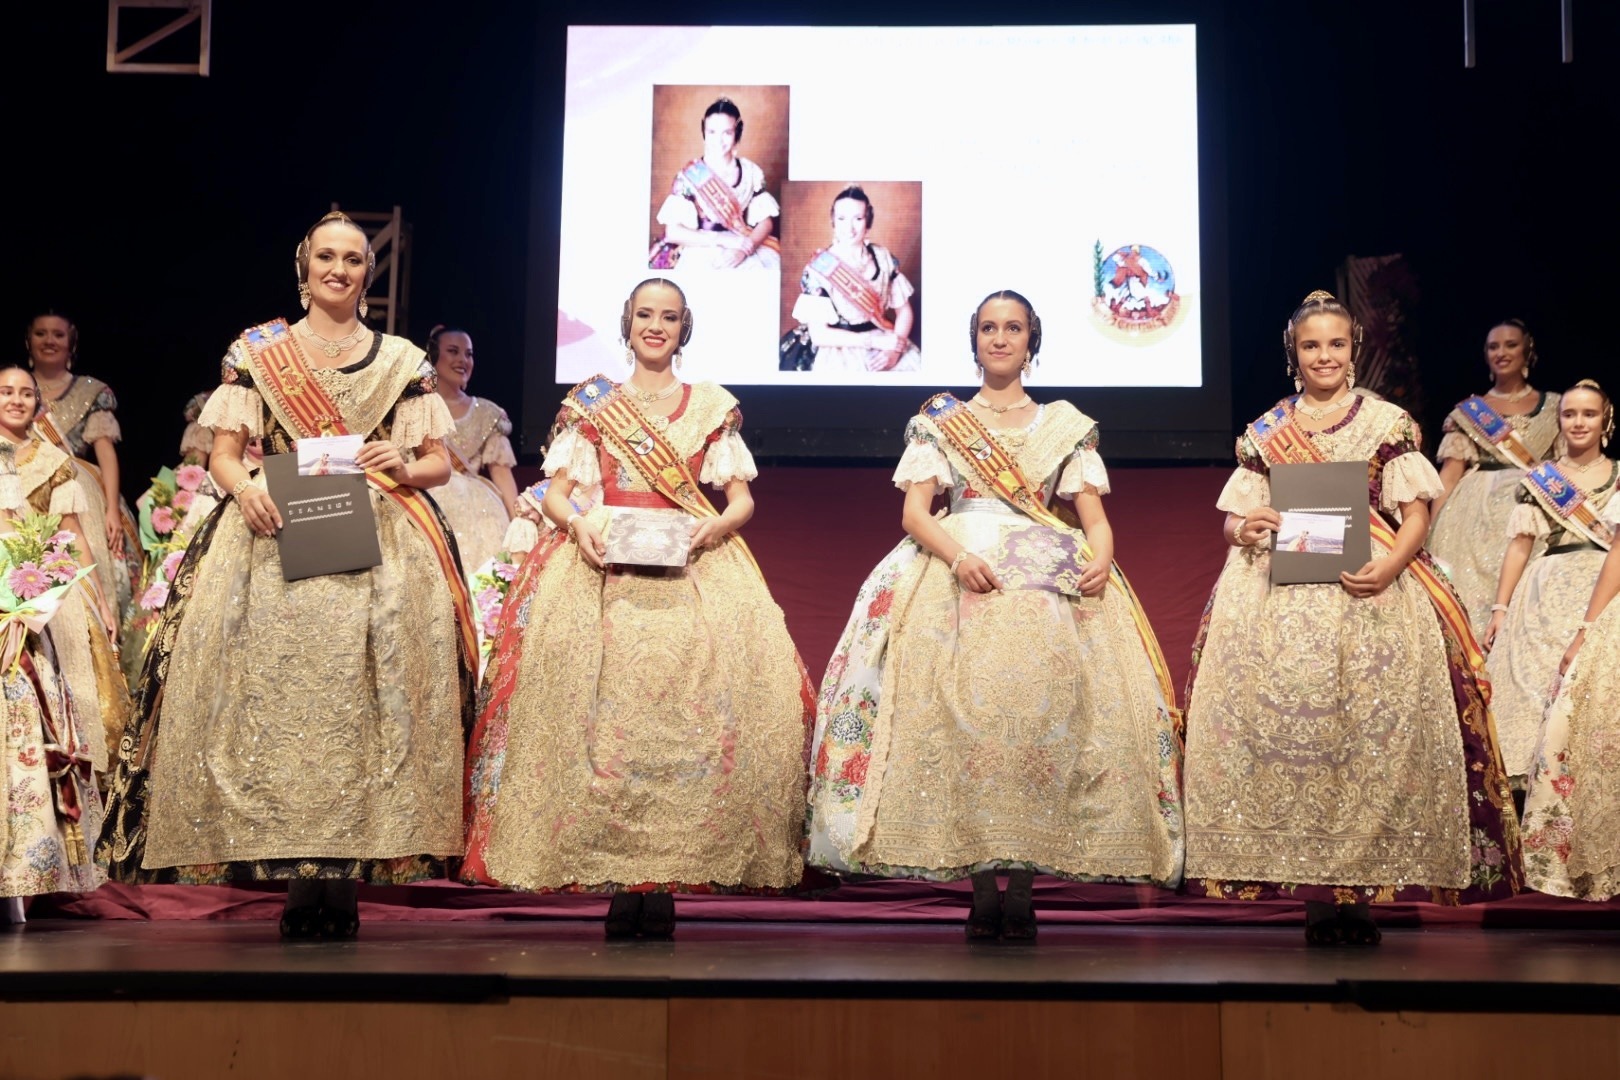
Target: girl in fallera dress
[[718, 214], [1562, 523], [51, 732], [481, 497], [997, 703], [307, 731], [642, 730], [1489, 441], [1339, 748]]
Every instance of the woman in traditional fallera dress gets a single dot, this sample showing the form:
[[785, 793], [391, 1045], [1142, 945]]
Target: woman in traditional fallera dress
[[51, 736], [642, 730], [996, 704], [1564, 520], [1339, 749], [311, 730], [1572, 809], [1489, 441], [718, 214], [79, 419], [854, 303], [479, 509]]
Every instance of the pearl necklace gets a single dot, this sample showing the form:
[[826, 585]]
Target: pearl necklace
[[1317, 412], [333, 346], [1518, 395], [647, 397], [978, 399]]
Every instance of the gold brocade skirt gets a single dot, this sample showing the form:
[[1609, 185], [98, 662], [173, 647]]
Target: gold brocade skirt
[[313, 719], [1323, 739], [654, 734], [476, 515]]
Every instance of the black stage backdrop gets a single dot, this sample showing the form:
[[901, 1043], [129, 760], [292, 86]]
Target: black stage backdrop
[[161, 211]]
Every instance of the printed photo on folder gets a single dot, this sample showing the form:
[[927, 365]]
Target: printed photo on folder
[[328, 526], [1324, 521]]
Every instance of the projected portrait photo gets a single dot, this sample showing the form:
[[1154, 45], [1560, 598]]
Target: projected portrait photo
[[852, 257], [714, 203]]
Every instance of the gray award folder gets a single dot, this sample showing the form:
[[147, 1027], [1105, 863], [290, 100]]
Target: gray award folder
[[1325, 491], [327, 525]]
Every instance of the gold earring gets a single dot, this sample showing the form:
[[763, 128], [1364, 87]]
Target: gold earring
[[1524, 372], [362, 307], [303, 295], [677, 359], [629, 356], [1350, 378], [1027, 368]]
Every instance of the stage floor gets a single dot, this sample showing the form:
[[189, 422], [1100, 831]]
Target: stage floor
[[1453, 969]]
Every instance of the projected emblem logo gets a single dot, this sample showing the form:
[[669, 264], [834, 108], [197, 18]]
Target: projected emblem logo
[[1135, 289]]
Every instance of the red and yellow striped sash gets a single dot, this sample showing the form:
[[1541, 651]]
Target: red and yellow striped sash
[[997, 472]]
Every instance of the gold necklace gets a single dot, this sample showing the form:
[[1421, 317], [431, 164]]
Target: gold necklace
[[54, 390], [332, 346], [1574, 470], [978, 399], [1518, 395], [647, 397], [1317, 412]]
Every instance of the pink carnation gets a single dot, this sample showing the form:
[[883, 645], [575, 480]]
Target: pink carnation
[[28, 581], [163, 521], [171, 563], [190, 478], [182, 499], [156, 596]]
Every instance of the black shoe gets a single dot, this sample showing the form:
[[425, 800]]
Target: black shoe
[[1018, 907], [624, 912], [1357, 927], [301, 923], [339, 924], [983, 925], [658, 915]]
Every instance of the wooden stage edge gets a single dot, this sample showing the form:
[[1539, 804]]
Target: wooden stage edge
[[177, 1001]]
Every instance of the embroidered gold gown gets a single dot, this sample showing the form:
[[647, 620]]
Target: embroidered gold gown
[[643, 728], [474, 507], [958, 732], [48, 742], [308, 728], [83, 655], [1546, 609], [1572, 808], [1336, 750], [1469, 535]]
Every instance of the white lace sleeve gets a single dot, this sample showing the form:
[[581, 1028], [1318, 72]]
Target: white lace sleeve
[[922, 461], [102, 424], [196, 440], [814, 310], [234, 408], [1527, 520], [1409, 478], [1610, 513], [521, 536], [725, 460], [1457, 446], [574, 452], [900, 290], [69, 498], [678, 211], [760, 207], [419, 418], [1245, 490], [1085, 466]]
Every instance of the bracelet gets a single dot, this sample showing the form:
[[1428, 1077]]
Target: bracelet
[[1237, 533], [568, 526], [240, 486], [960, 555], [1499, 607]]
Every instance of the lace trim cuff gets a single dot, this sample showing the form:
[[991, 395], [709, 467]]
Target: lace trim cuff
[[1454, 444], [497, 450], [727, 459], [69, 498], [922, 462], [102, 425], [234, 408], [1084, 467], [196, 440], [574, 452], [521, 536], [1246, 490], [419, 418], [1527, 520], [1408, 478]]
